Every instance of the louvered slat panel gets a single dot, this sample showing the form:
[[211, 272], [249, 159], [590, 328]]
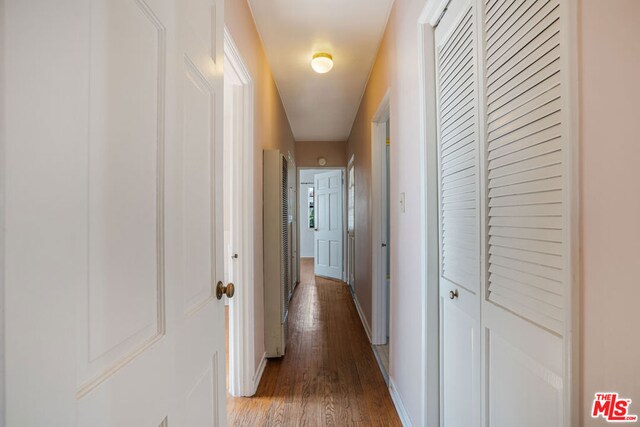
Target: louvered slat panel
[[526, 140], [528, 153], [497, 8], [458, 149], [521, 35], [458, 154], [528, 245], [524, 255], [540, 210], [525, 163], [535, 292], [533, 163], [285, 284], [527, 233], [511, 275]]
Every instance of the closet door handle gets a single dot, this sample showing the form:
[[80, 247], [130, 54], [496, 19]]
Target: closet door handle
[[453, 294], [228, 290]]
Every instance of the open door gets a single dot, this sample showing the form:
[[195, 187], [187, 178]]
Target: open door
[[328, 231], [113, 212]]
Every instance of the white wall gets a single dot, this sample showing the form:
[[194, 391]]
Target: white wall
[[306, 233], [610, 211], [396, 69], [610, 149]]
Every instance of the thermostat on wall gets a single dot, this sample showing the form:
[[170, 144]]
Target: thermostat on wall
[[322, 161]]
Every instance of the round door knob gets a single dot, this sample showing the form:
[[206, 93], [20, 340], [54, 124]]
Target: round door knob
[[228, 290], [453, 294]]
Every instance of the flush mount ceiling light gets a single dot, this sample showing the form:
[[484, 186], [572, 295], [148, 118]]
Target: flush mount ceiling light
[[322, 62]]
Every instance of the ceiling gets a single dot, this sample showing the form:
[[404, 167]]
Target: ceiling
[[321, 107]]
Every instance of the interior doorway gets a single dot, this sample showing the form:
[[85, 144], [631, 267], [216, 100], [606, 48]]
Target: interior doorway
[[381, 233], [238, 221], [322, 221], [351, 224]]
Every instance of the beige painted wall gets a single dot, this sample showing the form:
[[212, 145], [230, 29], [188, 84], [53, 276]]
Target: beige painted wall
[[271, 131], [610, 67], [396, 68], [610, 163], [308, 152]]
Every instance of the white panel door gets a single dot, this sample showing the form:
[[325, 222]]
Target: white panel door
[[329, 232], [113, 189], [524, 308], [459, 206]]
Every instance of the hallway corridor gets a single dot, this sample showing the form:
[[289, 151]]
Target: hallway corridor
[[329, 376]]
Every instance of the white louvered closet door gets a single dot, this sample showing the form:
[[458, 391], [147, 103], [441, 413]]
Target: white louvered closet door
[[459, 206], [523, 309]]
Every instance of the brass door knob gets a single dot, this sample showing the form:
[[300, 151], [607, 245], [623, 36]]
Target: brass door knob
[[453, 294], [228, 290]]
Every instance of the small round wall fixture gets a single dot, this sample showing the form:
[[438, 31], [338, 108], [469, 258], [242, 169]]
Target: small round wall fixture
[[322, 62], [322, 161]]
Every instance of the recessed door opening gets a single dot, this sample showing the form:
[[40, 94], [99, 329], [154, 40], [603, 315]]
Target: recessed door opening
[[381, 226], [321, 201], [382, 350], [238, 222], [351, 224]]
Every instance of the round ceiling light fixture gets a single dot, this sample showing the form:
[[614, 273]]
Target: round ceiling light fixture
[[322, 62]]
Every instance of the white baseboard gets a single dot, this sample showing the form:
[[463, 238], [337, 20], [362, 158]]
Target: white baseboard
[[258, 375], [383, 370], [363, 319], [402, 412]]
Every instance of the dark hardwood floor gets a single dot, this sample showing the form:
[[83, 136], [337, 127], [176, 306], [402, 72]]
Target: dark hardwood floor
[[329, 375]]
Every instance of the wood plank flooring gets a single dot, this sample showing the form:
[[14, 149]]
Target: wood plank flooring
[[329, 375]]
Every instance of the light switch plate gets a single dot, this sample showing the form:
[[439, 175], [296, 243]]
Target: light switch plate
[[402, 204]]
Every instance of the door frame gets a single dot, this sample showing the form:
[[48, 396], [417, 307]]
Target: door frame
[[344, 211], [378, 220], [429, 221], [351, 282], [243, 377]]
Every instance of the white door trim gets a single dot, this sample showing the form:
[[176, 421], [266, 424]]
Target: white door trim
[[378, 223], [427, 21], [429, 222], [571, 174], [243, 376], [350, 282], [344, 213]]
